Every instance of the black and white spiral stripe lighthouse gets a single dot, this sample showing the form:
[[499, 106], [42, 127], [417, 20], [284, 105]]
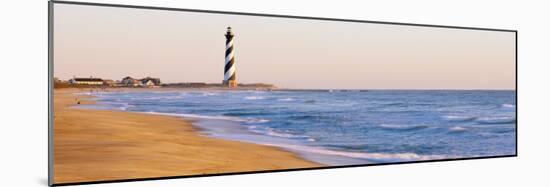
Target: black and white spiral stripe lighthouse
[[229, 77]]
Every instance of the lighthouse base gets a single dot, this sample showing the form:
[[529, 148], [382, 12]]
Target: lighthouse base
[[230, 83]]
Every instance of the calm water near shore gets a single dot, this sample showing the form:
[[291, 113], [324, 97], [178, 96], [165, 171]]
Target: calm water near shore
[[343, 127]]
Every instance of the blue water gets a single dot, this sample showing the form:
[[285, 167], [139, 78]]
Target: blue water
[[344, 127]]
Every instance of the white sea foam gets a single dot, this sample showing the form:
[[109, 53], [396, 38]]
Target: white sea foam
[[254, 120], [508, 105], [253, 97], [209, 93], [457, 129], [286, 99], [271, 132], [159, 97], [402, 127], [458, 118], [116, 105], [228, 118], [199, 116], [361, 155]]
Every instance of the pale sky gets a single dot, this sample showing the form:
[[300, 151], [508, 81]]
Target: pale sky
[[175, 46]]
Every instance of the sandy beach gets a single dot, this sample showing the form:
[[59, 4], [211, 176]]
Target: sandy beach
[[96, 145]]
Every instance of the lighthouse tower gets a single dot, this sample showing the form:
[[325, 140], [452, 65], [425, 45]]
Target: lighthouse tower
[[229, 78]]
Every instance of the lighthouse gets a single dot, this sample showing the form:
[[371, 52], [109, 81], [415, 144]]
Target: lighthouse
[[229, 77]]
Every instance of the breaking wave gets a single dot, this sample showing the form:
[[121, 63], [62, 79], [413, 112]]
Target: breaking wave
[[271, 132], [508, 105], [457, 129], [228, 118], [286, 99], [360, 155], [453, 118], [253, 97]]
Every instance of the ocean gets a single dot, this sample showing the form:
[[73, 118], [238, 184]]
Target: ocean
[[343, 127]]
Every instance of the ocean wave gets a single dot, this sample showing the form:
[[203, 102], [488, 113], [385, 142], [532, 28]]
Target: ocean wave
[[158, 97], [508, 106], [453, 118], [360, 155], [123, 108], [227, 118], [286, 99], [253, 97], [246, 113], [116, 105], [496, 120], [254, 120], [272, 132], [457, 129], [209, 94], [402, 127]]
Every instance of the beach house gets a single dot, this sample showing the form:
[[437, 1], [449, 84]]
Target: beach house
[[150, 82], [129, 81], [145, 82]]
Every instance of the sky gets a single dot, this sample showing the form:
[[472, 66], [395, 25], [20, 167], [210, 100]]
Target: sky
[[175, 46]]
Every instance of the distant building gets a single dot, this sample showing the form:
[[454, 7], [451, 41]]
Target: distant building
[[109, 82], [86, 81], [126, 80], [147, 82], [150, 82], [129, 81]]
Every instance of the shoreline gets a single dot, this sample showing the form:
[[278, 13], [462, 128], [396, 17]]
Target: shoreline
[[272, 89], [230, 129], [94, 145]]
